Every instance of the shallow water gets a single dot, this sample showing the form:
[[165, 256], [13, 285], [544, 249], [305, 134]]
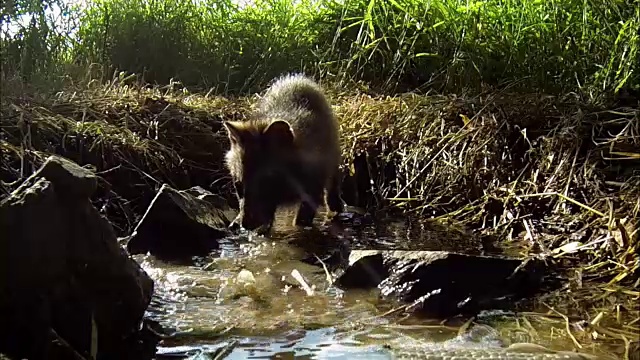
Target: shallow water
[[245, 292]]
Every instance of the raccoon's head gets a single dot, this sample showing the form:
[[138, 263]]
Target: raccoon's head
[[258, 162]]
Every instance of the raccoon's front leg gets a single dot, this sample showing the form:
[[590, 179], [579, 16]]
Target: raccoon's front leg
[[333, 197], [311, 200]]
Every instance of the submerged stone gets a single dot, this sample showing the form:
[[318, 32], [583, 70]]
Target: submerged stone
[[441, 283], [180, 224], [66, 287]]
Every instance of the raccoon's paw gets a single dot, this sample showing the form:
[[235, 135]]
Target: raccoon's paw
[[304, 223]]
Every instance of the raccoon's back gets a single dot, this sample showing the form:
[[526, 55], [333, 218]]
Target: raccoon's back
[[301, 101], [295, 92]]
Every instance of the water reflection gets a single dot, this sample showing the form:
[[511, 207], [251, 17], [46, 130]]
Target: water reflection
[[315, 344], [245, 292]]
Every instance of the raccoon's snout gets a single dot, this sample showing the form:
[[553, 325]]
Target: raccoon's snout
[[259, 228], [263, 230], [252, 221], [249, 221], [251, 224], [234, 226]]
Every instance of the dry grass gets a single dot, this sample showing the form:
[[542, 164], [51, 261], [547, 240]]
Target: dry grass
[[560, 177], [135, 137]]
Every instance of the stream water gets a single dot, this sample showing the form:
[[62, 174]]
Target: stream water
[[242, 301]]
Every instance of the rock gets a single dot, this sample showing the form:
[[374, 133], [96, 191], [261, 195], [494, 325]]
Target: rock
[[180, 224], [62, 269], [442, 283]]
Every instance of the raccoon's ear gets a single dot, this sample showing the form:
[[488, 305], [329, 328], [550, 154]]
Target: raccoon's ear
[[279, 133], [233, 129]]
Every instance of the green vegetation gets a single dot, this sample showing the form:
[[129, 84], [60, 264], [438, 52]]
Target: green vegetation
[[445, 45], [534, 149]]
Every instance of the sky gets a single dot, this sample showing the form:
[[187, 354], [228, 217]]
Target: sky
[[55, 13]]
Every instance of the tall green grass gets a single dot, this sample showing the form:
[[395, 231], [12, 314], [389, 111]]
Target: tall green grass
[[36, 42], [212, 43], [554, 46]]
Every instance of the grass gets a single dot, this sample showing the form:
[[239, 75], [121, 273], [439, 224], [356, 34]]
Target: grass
[[445, 44], [590, 48], [132, 137]]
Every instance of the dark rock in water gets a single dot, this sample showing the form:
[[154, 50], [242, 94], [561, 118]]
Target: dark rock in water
[[62, 270], [353, 217], [180, 224], [442, 283]]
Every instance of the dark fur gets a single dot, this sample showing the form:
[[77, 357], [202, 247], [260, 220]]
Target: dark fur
[[288, 153]]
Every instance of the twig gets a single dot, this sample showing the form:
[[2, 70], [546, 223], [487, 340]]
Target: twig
[[222, 353], [326, 271], [63, 342], [567, 326]]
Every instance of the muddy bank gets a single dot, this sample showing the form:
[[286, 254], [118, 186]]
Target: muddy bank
[[493, 163]]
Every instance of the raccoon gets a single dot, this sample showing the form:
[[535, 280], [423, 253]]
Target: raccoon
[[287, 153]]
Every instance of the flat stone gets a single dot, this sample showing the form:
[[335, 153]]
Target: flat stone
[[442, 283]]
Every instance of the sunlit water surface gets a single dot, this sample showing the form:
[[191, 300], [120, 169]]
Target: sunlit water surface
[[243, 298]]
